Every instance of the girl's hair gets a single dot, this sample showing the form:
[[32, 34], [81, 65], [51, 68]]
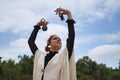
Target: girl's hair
[[47, 48]]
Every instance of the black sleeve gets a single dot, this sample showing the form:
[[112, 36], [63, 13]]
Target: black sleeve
[[31, 40], [71, 36]]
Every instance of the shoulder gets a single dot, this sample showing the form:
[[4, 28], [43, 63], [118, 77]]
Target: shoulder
[[38, 53], [65, 51]]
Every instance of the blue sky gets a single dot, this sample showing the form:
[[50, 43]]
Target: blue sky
[[97, 27]]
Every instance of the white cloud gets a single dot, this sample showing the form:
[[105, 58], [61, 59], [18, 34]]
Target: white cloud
[[20, 43], [95, 38], [16, 48], [59, 30], [19, 15], [93, 10], [113, 37], [91, 38], [18, 21], [105, 50], [87, 5], [22, 15], [20, 46], [112, 5], [105, 54]]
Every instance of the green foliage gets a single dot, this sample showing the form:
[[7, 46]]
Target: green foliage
[[9, 70], [85, 67], [90, 70]]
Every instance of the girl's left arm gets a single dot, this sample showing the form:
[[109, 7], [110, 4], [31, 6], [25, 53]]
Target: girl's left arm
[[71, 36], [71, 31]]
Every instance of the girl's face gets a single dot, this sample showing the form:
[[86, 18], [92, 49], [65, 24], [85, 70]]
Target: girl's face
[[56, 42]]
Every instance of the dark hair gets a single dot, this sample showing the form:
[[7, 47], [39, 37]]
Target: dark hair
[[48, 43]]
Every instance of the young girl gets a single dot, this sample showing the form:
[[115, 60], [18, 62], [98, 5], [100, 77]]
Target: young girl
[[54, 65]]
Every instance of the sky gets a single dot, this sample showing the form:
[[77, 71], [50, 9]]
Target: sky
[[97, 27]]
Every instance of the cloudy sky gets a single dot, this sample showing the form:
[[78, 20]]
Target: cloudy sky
[[97, 27]]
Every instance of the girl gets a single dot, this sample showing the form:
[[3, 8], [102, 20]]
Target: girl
[[54, 65]]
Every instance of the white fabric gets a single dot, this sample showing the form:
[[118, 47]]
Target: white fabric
[[58, 68]]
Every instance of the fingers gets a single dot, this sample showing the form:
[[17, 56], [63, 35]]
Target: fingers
[[61, 10], [45, 23], [42, 22], [58, 11]]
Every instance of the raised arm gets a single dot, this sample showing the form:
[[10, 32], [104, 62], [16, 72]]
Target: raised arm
[[32, 38], [71, 36], [71, 31]]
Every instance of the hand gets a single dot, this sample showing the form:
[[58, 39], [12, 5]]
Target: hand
[[42, 22], [64, 11]]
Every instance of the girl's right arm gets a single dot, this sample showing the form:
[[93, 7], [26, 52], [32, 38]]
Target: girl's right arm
[[31, 40]]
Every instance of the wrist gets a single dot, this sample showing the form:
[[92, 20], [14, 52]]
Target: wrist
[[38, 24], [37, 27], [69, 16]]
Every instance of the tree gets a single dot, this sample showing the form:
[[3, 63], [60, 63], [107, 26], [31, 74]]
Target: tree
[[86, 70], [8, 70], [17, 71], [90, 70]]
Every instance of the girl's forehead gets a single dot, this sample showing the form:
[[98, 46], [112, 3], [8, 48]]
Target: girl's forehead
[[55, 36]]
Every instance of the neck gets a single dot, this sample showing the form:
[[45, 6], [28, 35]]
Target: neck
[[54, 50]]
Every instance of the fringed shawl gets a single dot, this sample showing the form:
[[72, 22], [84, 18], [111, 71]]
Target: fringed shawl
[[58, 68]]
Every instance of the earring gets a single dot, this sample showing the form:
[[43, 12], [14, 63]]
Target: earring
[[49, 46]]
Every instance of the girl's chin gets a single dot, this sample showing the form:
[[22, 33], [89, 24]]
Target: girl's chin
[[58, 46]]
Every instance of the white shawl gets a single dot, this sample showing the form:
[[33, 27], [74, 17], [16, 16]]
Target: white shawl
[[58, 68]]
